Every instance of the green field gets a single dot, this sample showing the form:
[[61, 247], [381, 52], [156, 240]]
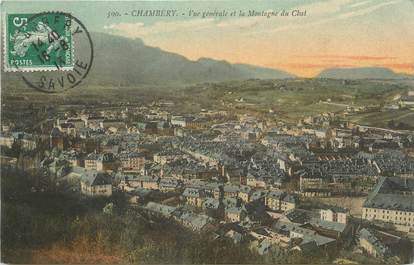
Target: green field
[[289, 100], [381, 119]]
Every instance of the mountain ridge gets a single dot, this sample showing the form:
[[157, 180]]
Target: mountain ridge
[[121, 61], [138, 63], [362, 73]]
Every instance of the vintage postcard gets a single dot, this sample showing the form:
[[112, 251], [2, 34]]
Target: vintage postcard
[[207, 132]]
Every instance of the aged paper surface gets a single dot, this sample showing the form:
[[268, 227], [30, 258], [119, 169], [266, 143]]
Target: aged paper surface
[[207, 132]]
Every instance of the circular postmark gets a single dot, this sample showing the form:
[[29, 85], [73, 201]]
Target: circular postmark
[[52, 51]]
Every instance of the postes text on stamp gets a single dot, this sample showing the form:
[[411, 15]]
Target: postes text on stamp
[[38, 43]]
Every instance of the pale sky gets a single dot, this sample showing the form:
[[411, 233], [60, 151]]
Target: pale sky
[[334, 33]]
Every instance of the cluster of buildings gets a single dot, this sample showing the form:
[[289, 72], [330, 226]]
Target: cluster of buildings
[[235, 175]]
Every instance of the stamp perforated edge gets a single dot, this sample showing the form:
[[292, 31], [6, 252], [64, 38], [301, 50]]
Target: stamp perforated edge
[[37, 68]]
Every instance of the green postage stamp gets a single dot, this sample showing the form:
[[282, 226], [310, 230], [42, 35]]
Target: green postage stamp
[[38, 42]]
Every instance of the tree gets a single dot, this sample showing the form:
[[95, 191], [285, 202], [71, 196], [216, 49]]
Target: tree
[[15, 149], [391, 124]]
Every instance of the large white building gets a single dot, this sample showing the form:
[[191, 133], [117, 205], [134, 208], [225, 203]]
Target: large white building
[[280, 201], [334, 214], [408, 100], [94, 183], [392, 201], [132, 161]]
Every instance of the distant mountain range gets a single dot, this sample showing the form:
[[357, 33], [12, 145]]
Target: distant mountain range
[[137, 63], [362, 73], [123, 61]]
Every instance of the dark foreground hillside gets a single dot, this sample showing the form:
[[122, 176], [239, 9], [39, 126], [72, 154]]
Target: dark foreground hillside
[[50, 227]]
